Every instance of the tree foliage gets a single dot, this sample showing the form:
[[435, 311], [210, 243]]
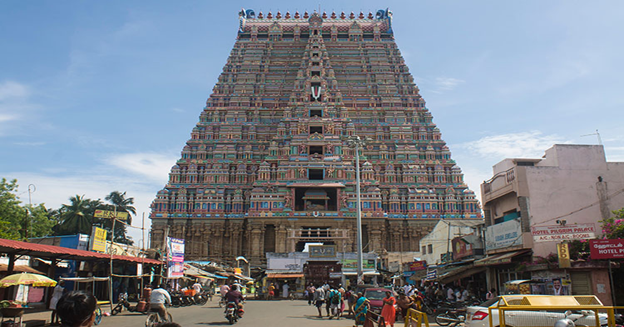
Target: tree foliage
[[18, 221], [614, 226]]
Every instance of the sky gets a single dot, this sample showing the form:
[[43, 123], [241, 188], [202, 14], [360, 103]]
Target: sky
[[101, 96]]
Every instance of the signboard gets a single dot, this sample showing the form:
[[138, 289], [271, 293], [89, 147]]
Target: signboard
[[322, 251], [558, 233], [563, 252], [432, 274], [607, 249], [417, 265], [352, 264], [461, 248], [284, 264], [238, 271], [503, 235], [334, 275], [175, 257], [98, 241], [111, 214]]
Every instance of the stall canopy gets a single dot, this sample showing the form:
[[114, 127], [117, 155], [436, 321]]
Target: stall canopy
[[499, 259], [13, 247], [284, 275], [196, 272]]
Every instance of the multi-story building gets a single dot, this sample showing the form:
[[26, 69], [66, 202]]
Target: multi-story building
[[268, 167], [531, 205]]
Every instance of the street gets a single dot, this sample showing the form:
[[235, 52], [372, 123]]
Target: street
[[257, 313]]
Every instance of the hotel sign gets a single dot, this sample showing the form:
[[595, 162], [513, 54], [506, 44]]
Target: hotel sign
[[558, 233], [606, 249]]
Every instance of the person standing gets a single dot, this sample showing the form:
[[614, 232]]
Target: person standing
[[388, 312], [351, 299], [285, 288], [404, 302], [334, 299], [58, 292], [311, 290], [271, 291], [319, 300], [361, 309], [491, 294]]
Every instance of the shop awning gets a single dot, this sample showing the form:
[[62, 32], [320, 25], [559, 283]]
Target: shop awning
[[365, 273], [239, 276], [459, 273], [284, 275], [499, 259]]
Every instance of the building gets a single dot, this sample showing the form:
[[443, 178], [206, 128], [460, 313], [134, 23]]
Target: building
[[531, 205], [268, 167]]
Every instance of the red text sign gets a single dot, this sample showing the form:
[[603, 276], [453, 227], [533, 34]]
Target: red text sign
[[607, 249]]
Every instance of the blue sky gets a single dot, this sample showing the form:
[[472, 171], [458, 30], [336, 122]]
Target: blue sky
[[97, 96]]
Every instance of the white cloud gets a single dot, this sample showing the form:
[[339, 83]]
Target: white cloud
[[12, 90], [513, 145], [178, 110], [447, 83], [152, 165]]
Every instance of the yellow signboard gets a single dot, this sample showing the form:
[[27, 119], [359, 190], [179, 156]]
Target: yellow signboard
[[238, 271], [111, 214], [564, 255], [99, 240]]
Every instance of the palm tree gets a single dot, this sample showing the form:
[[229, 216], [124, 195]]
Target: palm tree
[[121, 204], [77, 217]]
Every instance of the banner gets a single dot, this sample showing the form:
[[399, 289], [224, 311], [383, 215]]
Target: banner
[[352, 264], [432, 274], [558, 233], [606, 249], [503, 235], [98, 241], [175, 257]]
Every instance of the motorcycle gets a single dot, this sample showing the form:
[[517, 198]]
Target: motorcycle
[[141, 307], [232, 312]]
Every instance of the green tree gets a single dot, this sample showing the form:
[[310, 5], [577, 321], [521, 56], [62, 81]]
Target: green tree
[[18, 222], [77, 217]]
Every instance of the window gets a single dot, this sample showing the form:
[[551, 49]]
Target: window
[[317, 113], [430, 248], [316, 129], [315, 149], [315, 73], [315, 174], [424, 250]]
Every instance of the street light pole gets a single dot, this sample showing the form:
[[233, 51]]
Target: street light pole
[[356, 142]]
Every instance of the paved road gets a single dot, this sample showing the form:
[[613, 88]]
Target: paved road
[[257, 313]]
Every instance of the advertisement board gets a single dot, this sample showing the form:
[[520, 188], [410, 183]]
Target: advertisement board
[[503, 235], [417, 265], [352, 264], [558, 233], [175, 257], [606, 249], [111, 214], [98, 242]]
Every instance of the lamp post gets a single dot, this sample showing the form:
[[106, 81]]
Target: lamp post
[[31, 189], [357, 142]]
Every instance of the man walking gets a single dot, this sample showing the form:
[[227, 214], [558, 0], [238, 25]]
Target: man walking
[[319, 300]]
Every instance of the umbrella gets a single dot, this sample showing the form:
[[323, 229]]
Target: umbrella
[[27, 279]]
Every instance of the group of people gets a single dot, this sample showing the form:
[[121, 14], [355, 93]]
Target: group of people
[[333, 298]]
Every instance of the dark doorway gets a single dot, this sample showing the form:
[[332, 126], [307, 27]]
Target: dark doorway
[[316, 199], [316, 113], [316, 129], [315, 149]]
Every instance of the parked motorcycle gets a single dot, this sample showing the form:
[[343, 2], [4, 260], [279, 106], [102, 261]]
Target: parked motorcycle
[[141, 307]]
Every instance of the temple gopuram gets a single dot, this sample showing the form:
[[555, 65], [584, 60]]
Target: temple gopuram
[[268, 167]]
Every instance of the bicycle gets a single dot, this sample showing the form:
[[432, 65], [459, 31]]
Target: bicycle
[[154, 319]]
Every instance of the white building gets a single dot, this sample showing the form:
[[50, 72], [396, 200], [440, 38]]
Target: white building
[[437, 243]]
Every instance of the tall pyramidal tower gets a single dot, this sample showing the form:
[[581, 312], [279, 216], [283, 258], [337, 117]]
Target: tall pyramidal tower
[[268, 167]]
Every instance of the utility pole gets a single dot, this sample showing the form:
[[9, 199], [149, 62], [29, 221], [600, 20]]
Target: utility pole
[[356, 142]]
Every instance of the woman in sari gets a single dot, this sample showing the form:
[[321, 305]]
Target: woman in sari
[[388, 312], [361, 308]]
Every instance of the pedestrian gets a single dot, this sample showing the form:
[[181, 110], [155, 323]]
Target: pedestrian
[[76, 309], [311, 290], [334, 300], [58, 292], [285, 288], [319, 299], [351, 298], [491, 294], [342, 298], [361, 309], [271, 291], [388, 312], [450, 294], [404, 302]]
